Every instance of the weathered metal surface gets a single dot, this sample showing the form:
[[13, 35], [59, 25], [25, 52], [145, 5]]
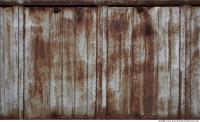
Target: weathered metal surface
[[36, 63], [194, 62], [168, 62], [11, 73], [68, 61], [144, 66], [118, 68], [99, 62], [99, 2]]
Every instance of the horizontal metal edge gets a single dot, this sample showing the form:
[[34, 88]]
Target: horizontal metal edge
[[98, 2]]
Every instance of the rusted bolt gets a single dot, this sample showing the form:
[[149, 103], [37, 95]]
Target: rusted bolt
[[56, 10]]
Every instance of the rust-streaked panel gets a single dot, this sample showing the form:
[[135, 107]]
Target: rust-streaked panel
[[81, 63], [119, 49], [56, 63], [99, 62], [91, 61], [36, 65], [168, 63], [146, 39], [138, 61], [68, 62], [184, 61], [195, 63]]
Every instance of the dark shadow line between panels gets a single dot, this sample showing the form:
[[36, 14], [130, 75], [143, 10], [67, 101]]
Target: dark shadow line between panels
[[24, 32]]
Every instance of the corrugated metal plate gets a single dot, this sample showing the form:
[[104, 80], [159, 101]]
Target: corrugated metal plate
[[99, 62]]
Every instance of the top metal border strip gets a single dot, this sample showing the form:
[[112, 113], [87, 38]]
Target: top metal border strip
[[98, 2]]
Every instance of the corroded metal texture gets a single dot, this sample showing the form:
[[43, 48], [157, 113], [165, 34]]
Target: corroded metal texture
[[99, 2], [99, 62]]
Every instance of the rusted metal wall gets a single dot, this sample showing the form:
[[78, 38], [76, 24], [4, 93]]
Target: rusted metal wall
[[100, 62]]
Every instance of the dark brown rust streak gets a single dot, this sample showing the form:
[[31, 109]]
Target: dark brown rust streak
[[137, 69], [170, 57], [99, 66], [149, 33], [40, 66], [124, 58], [187, 69], [112, 60], [81, 75], [10, 116]]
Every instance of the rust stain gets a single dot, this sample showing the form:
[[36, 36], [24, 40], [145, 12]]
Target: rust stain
[[14, 114], [112, 59], [136, 106], [149, 33], [196, 33], [118, 57], [40, 65], [119, 23], [188, 92], [90, 21], [161, 105], [8, 27], [111, 111], [193, 68], [40, 68], [173, 28], [69, 63], [146, 30], [137, 69], [118, 26], [114, 28], [80, 18], [118, 53], [34, 14], [55, 115], [99, 112], [68, 47], [81, 72], [55, 46]]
